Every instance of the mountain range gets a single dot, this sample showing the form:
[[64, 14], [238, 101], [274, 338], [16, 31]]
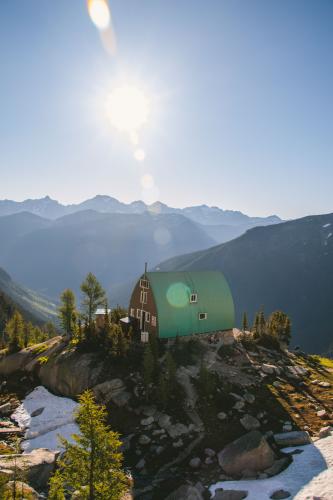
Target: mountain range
[[202, 214], [286, 266], [49, 246]]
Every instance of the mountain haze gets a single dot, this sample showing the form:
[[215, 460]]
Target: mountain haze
[[52, 209], [58, 254], [287, 266]]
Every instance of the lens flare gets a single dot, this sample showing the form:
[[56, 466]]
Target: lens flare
[[178, 295], [99, 13], [162, 236], [127, 109], [147, 181], [139, 154]]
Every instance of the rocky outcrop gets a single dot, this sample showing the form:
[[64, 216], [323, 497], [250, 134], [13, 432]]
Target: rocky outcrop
[[38, 465], [250, 452], [66, 371]]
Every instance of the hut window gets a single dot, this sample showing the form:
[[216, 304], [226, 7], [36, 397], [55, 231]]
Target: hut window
[[194, 298], [144, 337], [153, 321], [202, 315], [144, 283], [138, 313], [132, 312], [143, 297], [148, 317]]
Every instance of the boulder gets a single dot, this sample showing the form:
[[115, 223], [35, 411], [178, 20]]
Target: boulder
[[325, 431], [164, 421], [280, 495], [278, 466], [268, 369], [185, 492], [69, 373], [250, 423], [21, 488], [324, 384], [250, 451], [177, 430], [39, 465], [5, 409], [143, 439], [112, 390], [222, 416], [230, 495], [195, 463], [37, 412], [239, 405], [141, 464], [147, 421], [209, 452], [295, 438], [249, 398], [322, 413]]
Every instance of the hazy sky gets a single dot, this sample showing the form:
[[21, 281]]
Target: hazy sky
[[240, 91]]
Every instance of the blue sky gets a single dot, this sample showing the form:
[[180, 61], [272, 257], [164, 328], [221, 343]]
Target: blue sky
[[241, 92]]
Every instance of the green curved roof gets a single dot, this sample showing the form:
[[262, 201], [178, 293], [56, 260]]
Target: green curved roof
[[177, 316]]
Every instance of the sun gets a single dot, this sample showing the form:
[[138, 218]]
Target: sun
[[128, 109]]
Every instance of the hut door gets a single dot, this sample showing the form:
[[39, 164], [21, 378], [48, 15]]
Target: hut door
[[142, 320]]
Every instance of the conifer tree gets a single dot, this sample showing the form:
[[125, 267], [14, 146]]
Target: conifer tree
[[245, 323], [15, 332], [171, 369], [92, 465], [28, 333], [287, 331], [206, 381], [148, 367], [261, 323], [162, 390], [255, 327], [93, 296], [67, 312]]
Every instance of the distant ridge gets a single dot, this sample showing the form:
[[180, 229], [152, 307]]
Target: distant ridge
[[202, 214]]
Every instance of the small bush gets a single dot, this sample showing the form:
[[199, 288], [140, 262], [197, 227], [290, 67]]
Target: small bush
[[248, 341], [43, 360], [226, 350], [269, 341], [39, 349]]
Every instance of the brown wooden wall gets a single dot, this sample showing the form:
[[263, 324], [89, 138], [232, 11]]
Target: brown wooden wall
[[149, 307]]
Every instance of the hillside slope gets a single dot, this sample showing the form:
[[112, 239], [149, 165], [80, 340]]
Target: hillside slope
[[286, 266], [14, 296]]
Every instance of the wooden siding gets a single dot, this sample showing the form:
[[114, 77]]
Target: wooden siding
[[148, 307]]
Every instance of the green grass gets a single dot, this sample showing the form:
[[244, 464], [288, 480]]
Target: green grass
[[326, 362], [43, 360], [39, 348]]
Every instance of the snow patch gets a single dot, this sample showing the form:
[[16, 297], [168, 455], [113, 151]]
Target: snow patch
[[327, 225], [56, 418], [309, 475]]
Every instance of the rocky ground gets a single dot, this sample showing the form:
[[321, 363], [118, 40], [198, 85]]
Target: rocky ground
[[259, 393]]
